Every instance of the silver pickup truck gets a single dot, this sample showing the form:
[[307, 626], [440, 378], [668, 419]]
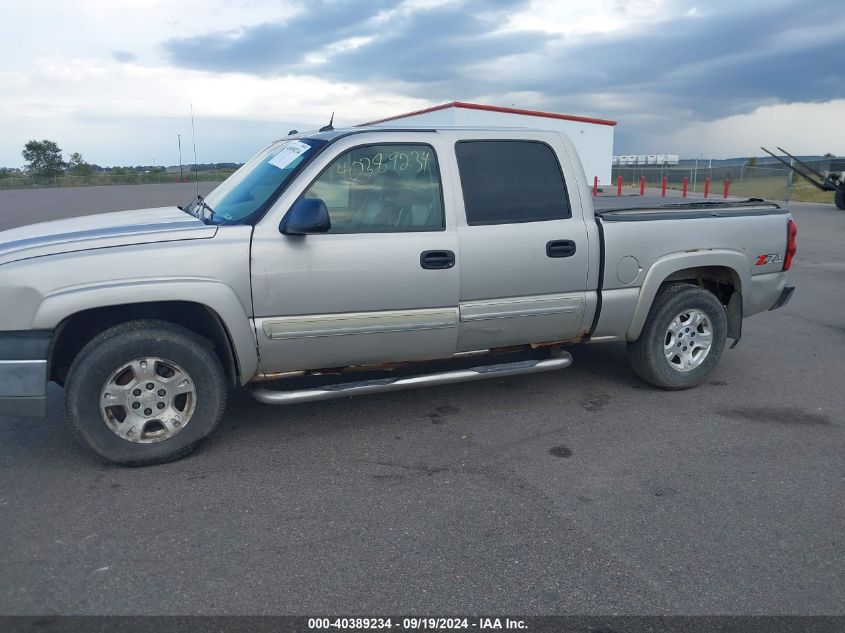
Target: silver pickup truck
[[368, 260]]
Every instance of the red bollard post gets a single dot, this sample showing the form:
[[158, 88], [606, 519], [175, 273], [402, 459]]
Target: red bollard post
[[663, 188], [727, 186], [707, 186], [619, 186], [642, 185], [686, 182], [595, 185]]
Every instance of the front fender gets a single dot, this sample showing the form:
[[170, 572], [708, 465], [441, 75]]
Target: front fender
[[665, 266], [213, 294]]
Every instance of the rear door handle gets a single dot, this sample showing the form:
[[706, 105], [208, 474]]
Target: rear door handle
[[437, 260], [560, 248]]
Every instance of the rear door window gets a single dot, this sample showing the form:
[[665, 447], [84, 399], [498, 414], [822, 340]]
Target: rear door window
[[508, 182]]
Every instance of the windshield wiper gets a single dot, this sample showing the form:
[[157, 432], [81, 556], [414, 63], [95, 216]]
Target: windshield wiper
[[201, 206]]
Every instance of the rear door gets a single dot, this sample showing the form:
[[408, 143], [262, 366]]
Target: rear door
[[523, 255]]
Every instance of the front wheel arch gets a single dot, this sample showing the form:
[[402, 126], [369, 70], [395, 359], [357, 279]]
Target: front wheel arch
[[78, 329], [92, 380]]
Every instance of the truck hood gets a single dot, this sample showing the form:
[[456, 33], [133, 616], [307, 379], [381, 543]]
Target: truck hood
[[122, 228]]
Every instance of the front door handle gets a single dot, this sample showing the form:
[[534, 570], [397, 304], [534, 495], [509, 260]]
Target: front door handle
[[437, 260], [560, 248]]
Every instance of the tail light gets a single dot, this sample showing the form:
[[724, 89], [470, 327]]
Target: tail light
[[791, 246]]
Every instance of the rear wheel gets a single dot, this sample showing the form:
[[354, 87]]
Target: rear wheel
[[682, 340], [145, 392], [839, 199]]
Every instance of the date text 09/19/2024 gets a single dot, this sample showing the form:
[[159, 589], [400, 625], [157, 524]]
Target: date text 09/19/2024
[[416, 623]]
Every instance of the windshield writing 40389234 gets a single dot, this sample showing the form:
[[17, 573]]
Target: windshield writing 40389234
[[365, 167]]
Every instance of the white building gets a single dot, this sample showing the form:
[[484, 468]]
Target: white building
[[593, 138]]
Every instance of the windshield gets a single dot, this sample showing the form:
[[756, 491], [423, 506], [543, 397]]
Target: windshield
[[247, 190]]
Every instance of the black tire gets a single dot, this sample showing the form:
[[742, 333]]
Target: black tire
[[646, 354], [117, 346], [839, 199]]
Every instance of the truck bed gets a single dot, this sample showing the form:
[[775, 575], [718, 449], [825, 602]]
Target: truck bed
[[685, 210], [745, 239]]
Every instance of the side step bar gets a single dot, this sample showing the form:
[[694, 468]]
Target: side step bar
[[559, 360]]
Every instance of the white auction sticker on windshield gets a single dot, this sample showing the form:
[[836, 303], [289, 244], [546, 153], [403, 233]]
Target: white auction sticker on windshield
[[289, 153]]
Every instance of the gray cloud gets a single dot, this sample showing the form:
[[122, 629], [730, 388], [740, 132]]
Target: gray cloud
[[433, 47], [411, 47], [276, 47], [713, 66], [731, 60], [124, 56]]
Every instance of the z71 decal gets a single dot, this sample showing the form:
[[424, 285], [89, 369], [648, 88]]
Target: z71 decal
[[771, 258]]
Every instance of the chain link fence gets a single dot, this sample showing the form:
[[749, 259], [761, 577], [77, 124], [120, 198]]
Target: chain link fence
[[101, 179], [771, 182]]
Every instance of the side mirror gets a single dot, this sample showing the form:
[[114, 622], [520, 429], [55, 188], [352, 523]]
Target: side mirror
[[307, 215]]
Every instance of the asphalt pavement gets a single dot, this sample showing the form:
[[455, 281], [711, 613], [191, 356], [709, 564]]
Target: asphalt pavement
[[583, 491]]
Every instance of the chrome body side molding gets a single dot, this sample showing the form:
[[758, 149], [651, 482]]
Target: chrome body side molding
[[317, 325]]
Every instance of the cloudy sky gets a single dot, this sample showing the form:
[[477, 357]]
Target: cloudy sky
[[114, 79]]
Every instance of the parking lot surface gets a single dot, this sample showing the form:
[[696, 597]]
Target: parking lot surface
[[579, 491]]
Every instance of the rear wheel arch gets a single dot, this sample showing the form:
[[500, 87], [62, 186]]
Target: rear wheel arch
[[668, 354], [722, 282], [724, 273]]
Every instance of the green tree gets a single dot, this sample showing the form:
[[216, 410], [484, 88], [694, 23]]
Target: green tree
[[44, 158], [78, 165], [751, 162], [829, 155]]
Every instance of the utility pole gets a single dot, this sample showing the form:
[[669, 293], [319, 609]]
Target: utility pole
[[695, 175], [789, 180]]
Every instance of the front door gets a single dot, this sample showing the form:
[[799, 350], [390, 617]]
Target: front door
[[523, 256], [381, 285]]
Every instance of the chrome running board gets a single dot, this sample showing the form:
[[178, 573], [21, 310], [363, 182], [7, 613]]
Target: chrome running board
[[559, 360]]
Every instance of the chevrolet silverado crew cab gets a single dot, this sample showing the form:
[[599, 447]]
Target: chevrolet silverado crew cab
[[347, 262]]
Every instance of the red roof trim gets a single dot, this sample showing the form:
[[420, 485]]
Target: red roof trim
[[489, 108], [415, 112]]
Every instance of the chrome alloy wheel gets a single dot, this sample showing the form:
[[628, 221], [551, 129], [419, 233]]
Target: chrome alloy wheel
[[148, 400], [688, 340]]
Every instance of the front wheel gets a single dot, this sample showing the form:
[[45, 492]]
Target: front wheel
[[683, 338], [145, 392]]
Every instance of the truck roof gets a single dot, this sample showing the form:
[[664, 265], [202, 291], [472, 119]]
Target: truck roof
[[330, 135]]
